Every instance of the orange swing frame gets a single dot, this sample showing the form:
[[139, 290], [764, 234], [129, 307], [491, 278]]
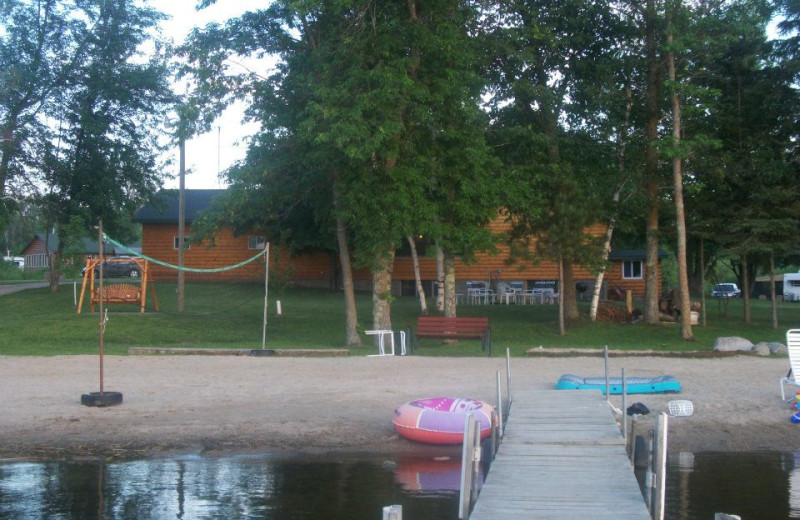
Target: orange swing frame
[[118, 292]]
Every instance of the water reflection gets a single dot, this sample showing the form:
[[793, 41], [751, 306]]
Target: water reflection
[[241, 487], [758, 485], [753, 485]]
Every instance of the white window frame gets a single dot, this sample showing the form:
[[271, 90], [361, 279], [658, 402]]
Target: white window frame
[[629, 269], [36, 260], [256, 242], [186, 245]]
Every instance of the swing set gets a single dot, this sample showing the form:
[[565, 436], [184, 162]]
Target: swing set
[[117, 293]]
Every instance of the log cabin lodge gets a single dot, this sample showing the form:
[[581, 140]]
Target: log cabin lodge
[[160, 240]]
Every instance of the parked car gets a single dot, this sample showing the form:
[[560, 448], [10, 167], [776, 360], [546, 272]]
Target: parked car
[[16, 261], [726, 290], [117, 267]]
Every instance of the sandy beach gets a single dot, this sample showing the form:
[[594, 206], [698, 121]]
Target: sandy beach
[[216, 405]]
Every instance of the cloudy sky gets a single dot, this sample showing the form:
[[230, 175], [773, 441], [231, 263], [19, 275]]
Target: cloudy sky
[[217, 150]]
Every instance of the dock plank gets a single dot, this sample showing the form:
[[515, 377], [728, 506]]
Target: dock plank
[[562, 456]]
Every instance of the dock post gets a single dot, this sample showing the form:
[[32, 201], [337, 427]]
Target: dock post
[[499, 409], [660, 466], [467, 456], [624, 407], [495, 439], [508, 379], [648, 476], [605, 364], [394, 512]]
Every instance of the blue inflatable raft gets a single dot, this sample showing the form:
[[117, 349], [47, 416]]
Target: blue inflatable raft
[[634, 385]]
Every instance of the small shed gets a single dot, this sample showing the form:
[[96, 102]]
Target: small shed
[[42, 245]]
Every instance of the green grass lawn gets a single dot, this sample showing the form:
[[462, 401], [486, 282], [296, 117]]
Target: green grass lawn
[[219, 315]]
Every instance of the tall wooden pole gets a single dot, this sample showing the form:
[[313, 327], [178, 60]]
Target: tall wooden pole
[[181, 223], [101, 326]]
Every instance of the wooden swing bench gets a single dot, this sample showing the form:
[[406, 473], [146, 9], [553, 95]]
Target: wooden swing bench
[[119, 293]]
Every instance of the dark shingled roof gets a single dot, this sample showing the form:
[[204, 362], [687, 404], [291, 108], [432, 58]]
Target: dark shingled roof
[[87, 245], [164, 207]]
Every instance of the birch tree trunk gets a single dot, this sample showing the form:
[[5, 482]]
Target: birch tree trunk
[[423, 304], [382, 291], [598, 281], [440, 279], [622, 138], [449, 285], [677, 181]]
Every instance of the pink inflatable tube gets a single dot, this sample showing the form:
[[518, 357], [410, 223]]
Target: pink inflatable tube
[[440, 420]]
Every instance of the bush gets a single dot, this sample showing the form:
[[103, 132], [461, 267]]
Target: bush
[[10, 271]]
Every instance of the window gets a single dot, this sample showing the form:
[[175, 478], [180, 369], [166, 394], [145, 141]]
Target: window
[[185, 243], [632, 269], [256, 242], [36, 260]]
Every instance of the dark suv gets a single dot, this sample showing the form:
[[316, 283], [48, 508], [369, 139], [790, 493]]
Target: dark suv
[[117, 267], [726, 290]]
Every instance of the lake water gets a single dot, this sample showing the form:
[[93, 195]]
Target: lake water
[[759, 486]]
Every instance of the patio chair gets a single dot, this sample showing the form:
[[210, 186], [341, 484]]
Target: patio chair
[[793, 346]]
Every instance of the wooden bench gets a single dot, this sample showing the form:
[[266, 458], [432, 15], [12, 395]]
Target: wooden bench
[[455, 328], [119, 293]]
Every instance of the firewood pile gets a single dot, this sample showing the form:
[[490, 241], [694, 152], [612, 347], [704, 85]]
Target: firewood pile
[[610, 311], [669, 306]]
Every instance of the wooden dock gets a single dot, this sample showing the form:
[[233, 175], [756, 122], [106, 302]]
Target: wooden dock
[[562, 457]]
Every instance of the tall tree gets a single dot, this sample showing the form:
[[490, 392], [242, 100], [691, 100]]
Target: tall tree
[[744, 190], [538, 54], [677, 175], [105, 157], [41, 44], [384, 95]]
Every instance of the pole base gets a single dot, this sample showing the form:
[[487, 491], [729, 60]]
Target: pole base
[[263, 352], [101, 400]]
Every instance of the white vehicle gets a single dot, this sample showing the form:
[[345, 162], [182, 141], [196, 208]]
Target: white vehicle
[[791, 287], [16, 260]]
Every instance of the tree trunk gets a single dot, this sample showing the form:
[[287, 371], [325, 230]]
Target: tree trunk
[[382, 290], [8, 148], [561, 328], [680, 218], [703, 281], [52, 261], [622, 139], [772, 295], [568, 294], [651, 291], [423, 305], [746, 288], [351, 314], [449, 284], [598, 281], [440, 278]]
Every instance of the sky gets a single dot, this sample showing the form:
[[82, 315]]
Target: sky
[[213, 152]]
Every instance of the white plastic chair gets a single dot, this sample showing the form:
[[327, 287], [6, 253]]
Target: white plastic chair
[[793, 346]]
